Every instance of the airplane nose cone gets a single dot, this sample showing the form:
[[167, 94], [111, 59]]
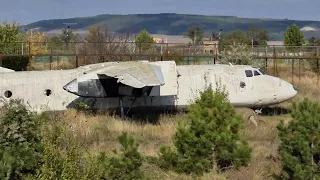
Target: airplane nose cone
[[72, 87], [288, 90]]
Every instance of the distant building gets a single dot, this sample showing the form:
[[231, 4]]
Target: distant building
[[275, 43], [210, 46]]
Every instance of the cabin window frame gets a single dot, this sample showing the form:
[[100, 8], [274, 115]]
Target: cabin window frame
[[261, 71], [256, 73], [246, 73]]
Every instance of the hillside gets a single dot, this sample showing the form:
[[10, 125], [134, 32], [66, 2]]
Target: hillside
[[171, 24]]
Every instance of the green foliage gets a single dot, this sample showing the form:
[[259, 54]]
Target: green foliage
[[62, 158], [195, 33], [127, 165], [178, 59], [237, 54], [314, 65], [81, 106], [293, 37], [212, 133], [52, 161], [235, 37], [300, 142], [9, 34], [20, 143], [55, 43], [17, 63], [143, 40], [259, 36]]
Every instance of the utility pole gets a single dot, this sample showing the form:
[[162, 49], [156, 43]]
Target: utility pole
[[67, 39]]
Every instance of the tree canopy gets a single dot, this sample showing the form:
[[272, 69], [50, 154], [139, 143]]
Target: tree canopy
[[144, 40], [300, 142], [293, 37], [10, 33], [195, 33]]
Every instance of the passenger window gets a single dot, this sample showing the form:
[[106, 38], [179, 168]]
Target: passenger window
[[248, 73], [256, 73]]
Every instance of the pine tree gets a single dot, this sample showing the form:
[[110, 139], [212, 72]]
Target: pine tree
[[293, 37], [300, 143], [212, 133]]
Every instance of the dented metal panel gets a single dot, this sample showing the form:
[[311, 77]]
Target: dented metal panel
[[134, 74], [170, 75]]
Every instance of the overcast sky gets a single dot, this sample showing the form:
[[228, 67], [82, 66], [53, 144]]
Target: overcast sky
[[27, 11]]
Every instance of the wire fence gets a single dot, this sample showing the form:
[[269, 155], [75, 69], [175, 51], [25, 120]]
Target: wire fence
[[290, 61]]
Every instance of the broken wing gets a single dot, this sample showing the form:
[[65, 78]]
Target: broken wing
[[134, 74]]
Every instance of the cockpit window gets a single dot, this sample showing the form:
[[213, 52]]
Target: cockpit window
[[262, 72], [256, 73], [248, 73]]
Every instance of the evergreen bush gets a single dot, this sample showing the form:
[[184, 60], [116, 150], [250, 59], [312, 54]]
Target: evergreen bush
[[127, 164], [211, 134], [20, 144], [300, 142], [17, 63]]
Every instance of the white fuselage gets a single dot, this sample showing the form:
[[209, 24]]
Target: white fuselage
[[183, 84]]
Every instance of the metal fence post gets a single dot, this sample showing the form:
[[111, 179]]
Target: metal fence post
[[266, 54], [77, 61], [292, 71], [274, 60], [30, 64], [318, 65], [85, 53], [50, 57]]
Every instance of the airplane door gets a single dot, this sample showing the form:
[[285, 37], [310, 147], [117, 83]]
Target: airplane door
[[249, 80], [246, 95], [246, 82]]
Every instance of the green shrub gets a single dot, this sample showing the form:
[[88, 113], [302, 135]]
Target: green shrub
[[300, 142], [127, 165], [313, 63], [212, 133], [20, 143], [17, 63], [52, 161], [62, 158]]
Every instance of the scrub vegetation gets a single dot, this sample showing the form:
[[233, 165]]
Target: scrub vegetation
[[81, 145]]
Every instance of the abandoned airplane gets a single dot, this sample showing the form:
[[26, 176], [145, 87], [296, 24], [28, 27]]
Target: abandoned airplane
[[141, 85]]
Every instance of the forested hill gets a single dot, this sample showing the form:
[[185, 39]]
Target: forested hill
[[169, 23]]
